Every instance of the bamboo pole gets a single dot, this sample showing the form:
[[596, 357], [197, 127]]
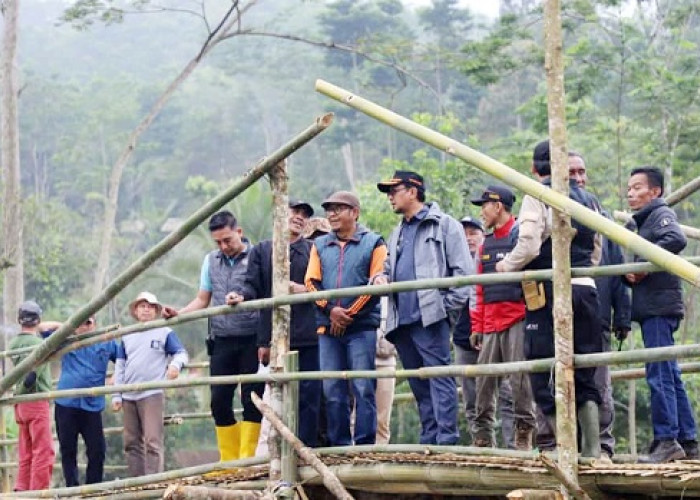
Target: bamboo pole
[[48, 346], [562, 234], [329, 480], [183, 492], [683, 192], [479, 370], [280, 314], [134, 482], [569, 483], [689, 231], [668, 261], [290, 413], [402, 286], [632, 408], [534, 495]]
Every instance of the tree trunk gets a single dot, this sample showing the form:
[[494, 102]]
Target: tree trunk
[[13, 250], [561, 245], [346, 151]]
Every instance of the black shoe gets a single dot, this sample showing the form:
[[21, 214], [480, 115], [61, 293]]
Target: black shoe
[[667, 450], [690, 447]]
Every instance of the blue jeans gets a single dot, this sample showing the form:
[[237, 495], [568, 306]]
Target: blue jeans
[[309, 396], [671, 414], [353, 351], [436, 397]]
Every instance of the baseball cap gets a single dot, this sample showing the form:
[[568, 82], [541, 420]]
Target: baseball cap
[[496, 193], [411, 179], [308, 209], [342, 198], [29, 313], [471, 221]]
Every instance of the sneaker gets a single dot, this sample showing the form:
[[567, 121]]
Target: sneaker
[[690, 447], [667, 450]]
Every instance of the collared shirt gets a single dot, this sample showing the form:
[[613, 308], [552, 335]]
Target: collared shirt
[[407, 302]]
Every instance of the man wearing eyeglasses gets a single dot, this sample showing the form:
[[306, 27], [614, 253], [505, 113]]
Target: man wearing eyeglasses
[[426, 244], [84, 367], [348, 256]]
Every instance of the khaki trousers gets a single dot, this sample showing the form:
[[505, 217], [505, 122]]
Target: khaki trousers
[[143, 435]]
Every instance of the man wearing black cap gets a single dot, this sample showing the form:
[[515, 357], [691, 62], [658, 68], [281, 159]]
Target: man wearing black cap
[[534, 251], [427, 243], [497, 323], [302, 332], [348, 256]]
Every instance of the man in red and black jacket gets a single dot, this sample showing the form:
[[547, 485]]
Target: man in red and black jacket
[[497, 323]]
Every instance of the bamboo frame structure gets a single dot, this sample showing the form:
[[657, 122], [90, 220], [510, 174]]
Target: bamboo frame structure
[[562, 234], [291, 299], [479, 370], [689, 231], [280, 314], [633, 242], [89, 489], [48, 346], [683, 192]]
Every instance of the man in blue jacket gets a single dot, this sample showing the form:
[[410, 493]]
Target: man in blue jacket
[[85, 367], [657, 305], [348, 256], [427, 243], [302, 333]]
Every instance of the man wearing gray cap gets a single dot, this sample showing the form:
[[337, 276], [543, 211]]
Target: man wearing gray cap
[[348, 256], [426, 244], [36, 453]]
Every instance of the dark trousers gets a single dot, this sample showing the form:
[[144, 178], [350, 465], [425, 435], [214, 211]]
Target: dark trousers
[[71, 422], [419, 347], [309, 395], [539, 343], [234, 356]]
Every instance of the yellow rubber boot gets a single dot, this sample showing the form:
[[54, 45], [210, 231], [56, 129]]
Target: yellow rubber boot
[[229, 440], [250, 432]]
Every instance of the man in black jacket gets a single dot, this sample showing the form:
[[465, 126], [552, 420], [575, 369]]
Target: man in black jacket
[[302, 335], [657, 305]]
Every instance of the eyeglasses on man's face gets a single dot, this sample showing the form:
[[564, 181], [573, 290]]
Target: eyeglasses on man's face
[[396, 190], [336, 209]]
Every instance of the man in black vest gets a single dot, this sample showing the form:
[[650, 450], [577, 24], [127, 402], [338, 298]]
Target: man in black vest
[[302, 332], [657, 305], [497, 323], [534, 251], [232, 341]]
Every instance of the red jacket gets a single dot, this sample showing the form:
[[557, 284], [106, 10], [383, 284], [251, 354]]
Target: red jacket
[[496, 316]]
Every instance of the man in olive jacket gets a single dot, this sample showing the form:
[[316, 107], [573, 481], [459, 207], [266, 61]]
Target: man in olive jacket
[[427, 243]]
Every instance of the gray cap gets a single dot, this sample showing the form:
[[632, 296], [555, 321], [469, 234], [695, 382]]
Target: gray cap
[[29, 307]]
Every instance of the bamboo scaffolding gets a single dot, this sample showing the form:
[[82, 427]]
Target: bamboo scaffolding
[[562, 234], [279, 345], [52, 343], [183, 492], [108, 486], [329, 480], [478, 370], [689, 231], [683, 192], [568, 482], [534, 495], [633, 242], [403, 286]]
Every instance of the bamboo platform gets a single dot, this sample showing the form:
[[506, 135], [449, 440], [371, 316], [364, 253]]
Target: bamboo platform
[[406, 475]]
